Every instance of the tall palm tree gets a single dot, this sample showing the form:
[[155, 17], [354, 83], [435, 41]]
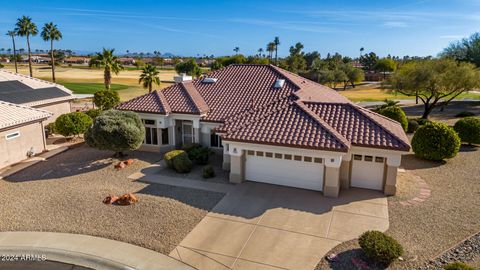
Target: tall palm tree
[[12, 34], [149, 76], [109, 62], [26, 28], [270, 49], [361, 51], [236, 50], [50, 33], [276, 41], [260, 51]]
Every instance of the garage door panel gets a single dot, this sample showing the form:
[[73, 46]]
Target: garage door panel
[[367, 173], [301, 174]]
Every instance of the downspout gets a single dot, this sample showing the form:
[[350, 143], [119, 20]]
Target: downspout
[[43, 137]]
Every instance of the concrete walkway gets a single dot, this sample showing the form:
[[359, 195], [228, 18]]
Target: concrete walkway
[[86, 251]]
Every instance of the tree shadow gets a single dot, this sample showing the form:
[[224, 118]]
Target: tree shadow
[[469, 148], [354, 259], [411, 162]]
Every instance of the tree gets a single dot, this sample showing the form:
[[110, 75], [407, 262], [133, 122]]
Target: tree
[[72, 124], [116, 131], [216, 65], [26, 28], [385, 65], [354, 75], [260, 51], [276, 41], [109, 62], [270, 50], [369, 61], [295, 60], [189, 67], [236, 50], [467, 50], [310, 57], [106, 99], [50, 33], [434, 81], [12, 34], [149, 76], [361, 51]]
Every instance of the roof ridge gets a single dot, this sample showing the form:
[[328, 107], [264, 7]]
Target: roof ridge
[[163, 101], [195, 96], [362, 111], [281, 72], [322, 122]]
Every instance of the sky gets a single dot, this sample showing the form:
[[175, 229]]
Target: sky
[[190, 28]]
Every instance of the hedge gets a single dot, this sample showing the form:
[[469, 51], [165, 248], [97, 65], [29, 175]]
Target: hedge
[[435, 141]]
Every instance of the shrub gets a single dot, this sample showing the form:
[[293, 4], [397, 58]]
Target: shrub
[[396, 113], [412, 126], [458, 266], [435, 141], [190, 146], [465, 114], [182, 164], [106, 99], [170, 156], [423, 121], [51, 128], [468, 129], [71, 124], [200, 155], [380, 247], [208, 172], [93, 113], [116, 131]]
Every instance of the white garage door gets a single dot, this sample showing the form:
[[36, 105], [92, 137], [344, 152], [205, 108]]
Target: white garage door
[[286, 170], [367, 172]]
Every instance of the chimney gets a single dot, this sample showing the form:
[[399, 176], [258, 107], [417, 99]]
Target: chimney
[[182, 78]]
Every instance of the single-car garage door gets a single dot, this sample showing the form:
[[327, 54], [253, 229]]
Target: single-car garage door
[[284, 169], [367, 172]]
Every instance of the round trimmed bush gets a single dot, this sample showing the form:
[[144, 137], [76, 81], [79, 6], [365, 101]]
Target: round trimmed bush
[[458, 266], [412, 126], [51, 128], [395, 113], [380, 247], [208, 172], [106, 99], [171, 155], [71, 124], [93, 113], [423, 121], [468, 129], [182, 164], [435, 141]]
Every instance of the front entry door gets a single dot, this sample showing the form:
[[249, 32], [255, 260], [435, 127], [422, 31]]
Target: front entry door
[[187, 132]]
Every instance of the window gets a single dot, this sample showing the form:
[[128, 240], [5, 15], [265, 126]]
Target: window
[[277, 155], [269, 154], [12, 135], [307, 159], [357, 157], [215, 140], [297, 158], [289, 157], [250, 152], [149, 122], [379, 159], [151, 137], [317, 160], [368, 158], [164, 136], [260, 153]]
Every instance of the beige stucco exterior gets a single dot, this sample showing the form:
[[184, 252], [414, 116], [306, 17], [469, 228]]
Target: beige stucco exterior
[[15, 150], [56, 109]]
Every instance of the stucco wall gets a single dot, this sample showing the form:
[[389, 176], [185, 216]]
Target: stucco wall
[[15, 150], [57, 109]]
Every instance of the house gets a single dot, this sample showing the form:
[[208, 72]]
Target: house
[[128, 61], [35, 93], [77, 60], [276, 127], [21, 132]]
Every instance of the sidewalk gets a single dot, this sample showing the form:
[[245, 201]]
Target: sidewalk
[[86, 251]]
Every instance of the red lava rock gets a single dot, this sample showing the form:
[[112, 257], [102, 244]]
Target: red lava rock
[[120, 166], [128, 162], [127, 199], [110, 199]]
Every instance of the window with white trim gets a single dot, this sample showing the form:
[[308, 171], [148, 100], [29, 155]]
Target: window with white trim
[[13, 135], [215, 140]]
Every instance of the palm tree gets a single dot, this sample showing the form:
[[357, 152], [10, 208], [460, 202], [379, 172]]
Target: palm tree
[[12, 34], [260, 51], [276, 41], [236, 50], [361, 51], [149, 76], [270, 49], [26, 28], [50, 33], [109, 62]]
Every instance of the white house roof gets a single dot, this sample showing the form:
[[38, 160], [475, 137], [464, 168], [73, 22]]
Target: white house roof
[[13, 114]]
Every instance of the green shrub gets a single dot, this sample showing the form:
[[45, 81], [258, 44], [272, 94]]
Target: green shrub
[[458, 266], [93, 113], [170, 156], [71, 124], [208, 172], [200, 155], [395, 113], [435, 141], [190, 146], [51, 128], [423, 121], [116, 131], [465, 114], [106, 99], [468, 129], [182, 164], [412, 126], [380, 247]]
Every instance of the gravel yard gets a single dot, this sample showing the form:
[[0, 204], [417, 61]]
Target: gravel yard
[[65, 193], [427, 229]]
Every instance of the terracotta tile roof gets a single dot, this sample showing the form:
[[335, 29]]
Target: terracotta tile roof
[[154, 102], [13, 115], [196, 98]]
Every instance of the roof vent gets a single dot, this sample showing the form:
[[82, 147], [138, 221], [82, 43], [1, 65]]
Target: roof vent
[[279, 83], [182, 78], [209, 80]]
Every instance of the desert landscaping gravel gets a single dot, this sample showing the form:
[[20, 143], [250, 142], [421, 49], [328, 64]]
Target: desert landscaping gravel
[[65, 193], [427, 229]]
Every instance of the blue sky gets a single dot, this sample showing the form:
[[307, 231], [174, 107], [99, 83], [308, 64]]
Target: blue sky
[[397, 27]]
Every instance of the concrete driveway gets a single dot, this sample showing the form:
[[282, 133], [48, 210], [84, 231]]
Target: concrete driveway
[[261, 226]]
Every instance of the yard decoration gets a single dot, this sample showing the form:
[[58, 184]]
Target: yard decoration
[[116, 131], [435, 141], [122, 164], [125, 199], [468, 129]]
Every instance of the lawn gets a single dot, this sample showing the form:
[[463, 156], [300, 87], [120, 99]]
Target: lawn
[[90, 88]]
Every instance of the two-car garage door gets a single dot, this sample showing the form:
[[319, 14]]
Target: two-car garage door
[[283, 169]]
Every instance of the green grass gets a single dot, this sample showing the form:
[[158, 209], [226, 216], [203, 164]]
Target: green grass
[[90, 88]]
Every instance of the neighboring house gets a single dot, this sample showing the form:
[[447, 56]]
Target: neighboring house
[[21, 132], [77, 60], [128, 61], [276, 127], [39, 94]]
